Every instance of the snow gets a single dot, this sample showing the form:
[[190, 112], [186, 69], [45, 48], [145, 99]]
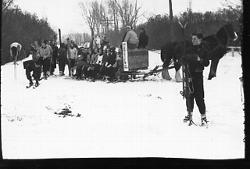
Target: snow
[[131, 119]]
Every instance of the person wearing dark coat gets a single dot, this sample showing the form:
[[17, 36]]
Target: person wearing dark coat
[[54, 57], [33, 65], [196, 59], [62, 58], [143, 39], [111, 65], [82, 64]]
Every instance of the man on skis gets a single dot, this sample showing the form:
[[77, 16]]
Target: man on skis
[[196, 58], [34, 65]]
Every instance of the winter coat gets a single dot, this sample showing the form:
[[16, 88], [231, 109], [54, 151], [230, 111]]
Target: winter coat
[[55, 51], [45, 52], [191, 57], [72, 53], [143, 40], [131, 37], [62, 54], [51, 50]]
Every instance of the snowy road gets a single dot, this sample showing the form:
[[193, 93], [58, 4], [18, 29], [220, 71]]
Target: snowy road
[[132, 119]]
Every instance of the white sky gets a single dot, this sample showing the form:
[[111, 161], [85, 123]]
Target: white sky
[[66, 14]]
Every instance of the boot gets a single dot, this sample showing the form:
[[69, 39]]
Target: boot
[[30, 84], [204, 120], [188, 117]]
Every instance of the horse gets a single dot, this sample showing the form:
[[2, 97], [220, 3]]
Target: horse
[[217, 46]]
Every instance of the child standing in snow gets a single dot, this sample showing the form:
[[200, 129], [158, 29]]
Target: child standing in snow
[[196, 58]]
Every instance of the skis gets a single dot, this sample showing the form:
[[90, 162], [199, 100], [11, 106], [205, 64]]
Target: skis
[[192, 123], [33, 86]]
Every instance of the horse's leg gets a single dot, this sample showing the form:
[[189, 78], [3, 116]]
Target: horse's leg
[[167, 59], [177, 67], [165, 74], [213, 68]]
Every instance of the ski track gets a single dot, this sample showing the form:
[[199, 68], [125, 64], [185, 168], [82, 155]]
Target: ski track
[[131, 119]]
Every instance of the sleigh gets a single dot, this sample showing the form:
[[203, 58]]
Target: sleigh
[[135, 63]]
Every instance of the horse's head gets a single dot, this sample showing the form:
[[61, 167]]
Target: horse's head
[[230, 31], [227, 33]]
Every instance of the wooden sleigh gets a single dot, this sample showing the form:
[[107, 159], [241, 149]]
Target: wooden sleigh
[[135, 63]]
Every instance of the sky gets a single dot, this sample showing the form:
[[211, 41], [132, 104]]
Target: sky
[[67, 15]]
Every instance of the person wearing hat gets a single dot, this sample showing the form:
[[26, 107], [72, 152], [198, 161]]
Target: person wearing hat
[[196, 58], [131, 38]]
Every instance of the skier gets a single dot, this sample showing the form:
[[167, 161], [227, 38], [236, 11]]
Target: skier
[[196, 58], [15, 49], [143, 39], [34, 65]]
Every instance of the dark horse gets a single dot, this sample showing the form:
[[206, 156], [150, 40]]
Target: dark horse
[[217, 46]]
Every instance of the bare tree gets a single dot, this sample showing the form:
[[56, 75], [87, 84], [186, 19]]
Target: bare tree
[[113, 11], [6, 4], [128, 12], [89, 17], [93, 13]]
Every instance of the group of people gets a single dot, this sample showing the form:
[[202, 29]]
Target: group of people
[[104, 61], [44, 56], [97, 63]]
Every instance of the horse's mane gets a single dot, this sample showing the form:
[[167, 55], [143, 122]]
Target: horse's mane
[[221, 36]]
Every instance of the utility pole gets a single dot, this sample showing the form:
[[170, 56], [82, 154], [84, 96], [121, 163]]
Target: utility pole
[[60, 40], [171, 21]]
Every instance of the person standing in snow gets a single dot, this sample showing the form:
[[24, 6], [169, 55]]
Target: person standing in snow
[[62, 58], [196, 58], [54, 57], [15, 49], [45, 53], [72, 58], [143, 39], [34, 65]]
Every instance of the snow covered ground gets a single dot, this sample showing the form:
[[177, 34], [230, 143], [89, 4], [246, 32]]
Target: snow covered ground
[[132, 119]]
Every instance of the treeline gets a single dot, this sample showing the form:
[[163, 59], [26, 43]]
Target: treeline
[[22, 27], [158, 27]]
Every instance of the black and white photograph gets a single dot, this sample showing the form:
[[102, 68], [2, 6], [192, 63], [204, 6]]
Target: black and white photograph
[[122, 79]]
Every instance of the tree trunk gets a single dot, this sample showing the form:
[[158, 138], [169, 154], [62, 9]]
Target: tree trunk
[[92, 38]]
